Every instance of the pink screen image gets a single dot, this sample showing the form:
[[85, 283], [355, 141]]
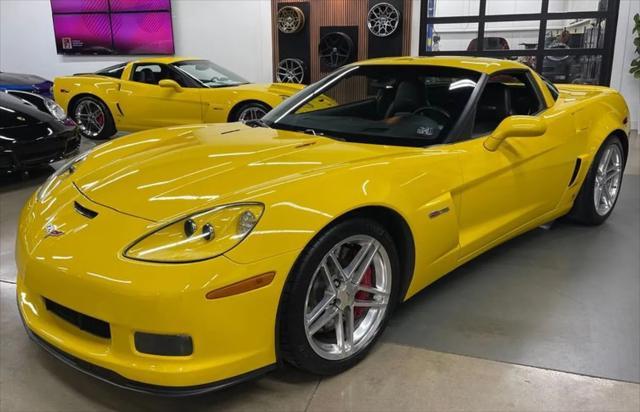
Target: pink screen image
[[79, 6], [142, 33], [140, 5]]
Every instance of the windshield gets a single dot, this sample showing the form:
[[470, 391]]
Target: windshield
[[209, 73], [397, 105]]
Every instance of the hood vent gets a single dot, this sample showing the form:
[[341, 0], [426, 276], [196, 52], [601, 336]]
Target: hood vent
[[84, 211]]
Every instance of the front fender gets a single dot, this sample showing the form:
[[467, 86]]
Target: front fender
[[419, 187]]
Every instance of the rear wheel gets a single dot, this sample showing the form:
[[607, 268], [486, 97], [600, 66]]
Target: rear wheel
[[601, 188], [93, 118], [339, 297], [249, 111]]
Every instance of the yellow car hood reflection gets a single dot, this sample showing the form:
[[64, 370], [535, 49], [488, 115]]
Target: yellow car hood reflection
[[168, 172]]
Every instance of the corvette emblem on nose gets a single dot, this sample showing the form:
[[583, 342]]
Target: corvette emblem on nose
[[51, 230]]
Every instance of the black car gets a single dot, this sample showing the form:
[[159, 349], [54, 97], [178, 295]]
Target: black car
[[34, 131]]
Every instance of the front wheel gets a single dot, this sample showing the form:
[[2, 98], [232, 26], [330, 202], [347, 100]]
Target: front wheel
[[93, 118], [339, 297], [601, 188]]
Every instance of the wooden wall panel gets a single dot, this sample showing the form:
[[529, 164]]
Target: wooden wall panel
[[337, 13]]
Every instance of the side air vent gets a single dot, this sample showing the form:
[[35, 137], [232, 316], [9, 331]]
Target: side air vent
[[84, 211], [576, 170]]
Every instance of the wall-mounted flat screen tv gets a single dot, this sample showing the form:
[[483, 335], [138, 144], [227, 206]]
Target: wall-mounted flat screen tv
[[113, 26]]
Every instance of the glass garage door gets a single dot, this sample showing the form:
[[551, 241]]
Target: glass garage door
[[568, 41]]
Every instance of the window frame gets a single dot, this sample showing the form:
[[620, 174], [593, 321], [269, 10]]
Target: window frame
[[184, 80], [610, 16], [468, 119]]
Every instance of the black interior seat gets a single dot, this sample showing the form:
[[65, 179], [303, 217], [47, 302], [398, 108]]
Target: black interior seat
[[145, 76], [493, 107], [409, 97]]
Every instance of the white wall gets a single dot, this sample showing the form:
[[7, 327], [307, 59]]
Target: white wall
[[233, 33], [623, 53]]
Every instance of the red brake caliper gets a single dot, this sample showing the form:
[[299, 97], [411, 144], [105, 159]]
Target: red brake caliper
[[367, 280], [100, 119]]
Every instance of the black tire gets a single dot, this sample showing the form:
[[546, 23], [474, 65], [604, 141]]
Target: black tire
[[584, 208], [294, 345], [237, 112], [109, 127]]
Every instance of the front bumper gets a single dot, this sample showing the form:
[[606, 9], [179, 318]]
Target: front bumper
[[38, 152], [233, 338], [120, 381]]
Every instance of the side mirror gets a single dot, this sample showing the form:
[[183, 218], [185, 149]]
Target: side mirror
[[515, 126], [170, 84]]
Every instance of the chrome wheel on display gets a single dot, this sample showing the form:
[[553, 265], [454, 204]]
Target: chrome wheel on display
[[290, 19], [607, 180], [347, 298], [251, 113], [290, 71], [383, 19], [90, 117]]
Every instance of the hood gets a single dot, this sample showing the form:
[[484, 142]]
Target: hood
[[18, 112], [163, 174], [16, 79]]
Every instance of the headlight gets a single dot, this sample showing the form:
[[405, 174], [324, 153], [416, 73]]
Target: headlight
[[53, 181], [55, 109], [201, 236]]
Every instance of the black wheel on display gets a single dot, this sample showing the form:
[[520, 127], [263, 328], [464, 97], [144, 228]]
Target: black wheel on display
[[335, 49], [601, 188], [339, 297], [93, 117]]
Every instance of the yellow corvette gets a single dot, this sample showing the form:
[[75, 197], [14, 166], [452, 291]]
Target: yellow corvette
[[183, 259], [158, 92]]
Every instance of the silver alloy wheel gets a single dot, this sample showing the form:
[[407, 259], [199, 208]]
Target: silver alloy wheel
[[383, 19], [608, 178], [251, 113], [348, 297], [90, 117], [290, 71], [290, 19]]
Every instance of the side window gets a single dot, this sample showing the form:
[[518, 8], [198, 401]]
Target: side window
[[504, 95], [113, 71], [152, 73]]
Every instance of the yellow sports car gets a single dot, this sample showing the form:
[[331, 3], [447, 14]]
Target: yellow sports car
[[158, 92], [183, 259]]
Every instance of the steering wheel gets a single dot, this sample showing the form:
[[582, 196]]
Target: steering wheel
[[444, 115]]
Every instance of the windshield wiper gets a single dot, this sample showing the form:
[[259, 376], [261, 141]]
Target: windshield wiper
[[313, 132], [257, 123]]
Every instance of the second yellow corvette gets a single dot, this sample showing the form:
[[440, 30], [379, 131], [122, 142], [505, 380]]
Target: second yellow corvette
[[183, 259], [165, 91]]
